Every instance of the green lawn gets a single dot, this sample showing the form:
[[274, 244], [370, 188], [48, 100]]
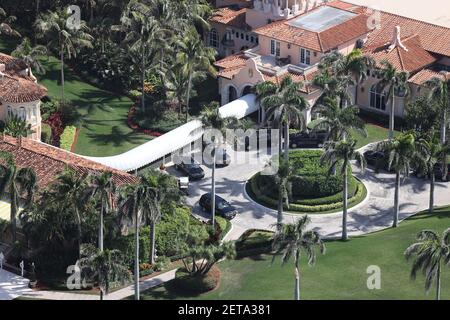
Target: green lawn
[[374, 133], [339, 274], [104, 131]]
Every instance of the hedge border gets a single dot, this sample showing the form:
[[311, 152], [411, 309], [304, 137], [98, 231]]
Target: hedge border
[[256, 196]]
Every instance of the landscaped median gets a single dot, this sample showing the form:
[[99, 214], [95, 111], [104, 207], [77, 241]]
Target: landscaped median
[[313, 189]]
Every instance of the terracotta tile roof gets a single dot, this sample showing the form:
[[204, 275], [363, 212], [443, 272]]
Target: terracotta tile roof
[[318, 41], [234, 60], [434, 38], [296, 77], [15, 85], [413, 60], [48, 161], [425, 75], [231, 17]]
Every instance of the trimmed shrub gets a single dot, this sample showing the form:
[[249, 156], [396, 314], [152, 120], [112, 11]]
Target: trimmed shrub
[[185, 283], [293, 207], [224, 226], [46, 133], [68, 138]]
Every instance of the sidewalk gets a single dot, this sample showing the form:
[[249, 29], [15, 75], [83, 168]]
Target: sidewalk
[[117, 295], [12, 285]]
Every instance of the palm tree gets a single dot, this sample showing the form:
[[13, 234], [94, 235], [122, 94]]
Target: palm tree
[[53, 26], [130, 208], [440, 93], [400, 152], [196, 59], [193, 13], [282, 181], [16, 182], [176, 81], [5, 24], [210, 118], [103, 187], [17, 128], [284, 105], [339, 122], [291, 240], [431, 152], [162, 189], [70, 189], [30, 55], [430, 251], [345, 71], [141, 31], [340, 153], [107, 267], [396, 82]]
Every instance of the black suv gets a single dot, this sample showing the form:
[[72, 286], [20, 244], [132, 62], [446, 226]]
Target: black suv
[[438, 173], [190, 167], [223, 207], [307, 140], [377, 159]]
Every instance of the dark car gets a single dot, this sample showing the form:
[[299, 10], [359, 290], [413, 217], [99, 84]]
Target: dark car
[[377, 159], [190, 167], [223, 207], [307, 140], [261, 137], [438, 172]]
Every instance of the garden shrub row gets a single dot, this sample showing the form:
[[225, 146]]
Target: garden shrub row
[[359, 196], [185, 283], [254, 242], [68, 137]]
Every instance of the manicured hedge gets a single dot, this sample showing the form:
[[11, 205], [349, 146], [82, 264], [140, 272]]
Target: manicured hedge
[[185, 283], [254, 242], [224, 226], [46, 133], [293, 207], [68, 137]]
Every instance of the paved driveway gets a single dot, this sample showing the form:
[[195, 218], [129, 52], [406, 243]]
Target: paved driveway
[[373, 214], [12, 286]]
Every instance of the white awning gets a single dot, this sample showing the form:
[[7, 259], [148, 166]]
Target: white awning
[[174, 140]]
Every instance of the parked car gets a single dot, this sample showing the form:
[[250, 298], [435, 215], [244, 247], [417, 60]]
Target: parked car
[[191, 168], [308, 140], [377, 159], [438, 173], [223, 207]]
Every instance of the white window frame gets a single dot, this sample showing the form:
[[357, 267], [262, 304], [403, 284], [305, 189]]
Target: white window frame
[[214, 38], [305, 56], [275, 48]]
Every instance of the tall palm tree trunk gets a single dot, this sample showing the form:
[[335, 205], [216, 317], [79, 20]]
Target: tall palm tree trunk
[[432, 181], [143, 79], [444, 127], [152, 242], [62, 73], [345, 205], [280, 210], [392, 118], [280, 139], [396, 199], [101, 294], [286, 142], [297, 279], [100, 231], [438, 282], [188, 94], [13, 215], [136, 257], [213, 192]]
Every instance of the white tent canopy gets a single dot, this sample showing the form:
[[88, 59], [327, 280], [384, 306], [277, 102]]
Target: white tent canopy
[[174, 140]]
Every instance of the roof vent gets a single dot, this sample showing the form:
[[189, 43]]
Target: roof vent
[[396, 41]]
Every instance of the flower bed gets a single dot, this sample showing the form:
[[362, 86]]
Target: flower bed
[[133, 125]]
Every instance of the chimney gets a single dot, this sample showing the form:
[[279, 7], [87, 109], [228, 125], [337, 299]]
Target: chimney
[[396, 40]]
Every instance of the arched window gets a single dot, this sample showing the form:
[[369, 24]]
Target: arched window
[[10, 113], [214, 38], [232, 94], [377, 97], [23, 113]]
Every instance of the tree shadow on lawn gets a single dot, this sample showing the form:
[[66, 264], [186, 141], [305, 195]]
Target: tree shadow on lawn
[[117, 137]]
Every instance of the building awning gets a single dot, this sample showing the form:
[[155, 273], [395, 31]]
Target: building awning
[[174, 140]]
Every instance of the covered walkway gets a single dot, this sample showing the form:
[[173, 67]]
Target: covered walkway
[[174, 140]]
